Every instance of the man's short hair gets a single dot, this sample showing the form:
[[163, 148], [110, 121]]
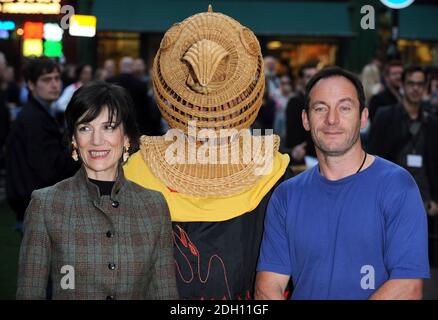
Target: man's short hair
[[36, 67], [330, 72], [310, 65], [390, 64], [411, 69]]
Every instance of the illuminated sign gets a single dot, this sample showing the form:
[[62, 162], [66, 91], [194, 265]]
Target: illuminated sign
[[82, 26], [4, 34], [7, 25], [397, 4], [53, 32], [32, 47], [30, 6], [53, 48], [33, 30]]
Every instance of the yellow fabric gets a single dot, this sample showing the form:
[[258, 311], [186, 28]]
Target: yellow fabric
[[185, 208]]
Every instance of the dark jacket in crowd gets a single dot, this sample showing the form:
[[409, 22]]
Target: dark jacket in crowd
[[295, 132], [387, 138], [36, 156], [148, 115], [382, 99], [266, 115], [119, 246], [4, 122]]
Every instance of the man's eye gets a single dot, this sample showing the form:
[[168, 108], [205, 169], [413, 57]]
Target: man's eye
[[345, 108], [319, 109]]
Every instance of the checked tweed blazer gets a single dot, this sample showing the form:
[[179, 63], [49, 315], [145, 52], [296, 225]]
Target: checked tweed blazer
[[116, 247]]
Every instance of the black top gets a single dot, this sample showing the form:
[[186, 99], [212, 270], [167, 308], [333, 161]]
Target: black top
[[217, 260], [389, 135], [105, 187], [382, 99], [148, 115], [295, 132]]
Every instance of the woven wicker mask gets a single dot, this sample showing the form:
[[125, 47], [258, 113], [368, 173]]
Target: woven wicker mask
[[209, 68]]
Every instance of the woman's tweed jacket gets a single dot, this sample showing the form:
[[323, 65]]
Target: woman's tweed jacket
[[116, 247]]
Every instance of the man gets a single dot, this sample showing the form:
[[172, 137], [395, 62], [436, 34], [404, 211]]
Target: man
[[36, 156], [353, 227], [271, 76], [407, 134], [297, 138], [4, 111], [109, 66], [391, 94], [148, 116]]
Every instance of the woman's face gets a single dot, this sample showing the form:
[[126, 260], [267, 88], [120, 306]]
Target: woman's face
[[100, 146]]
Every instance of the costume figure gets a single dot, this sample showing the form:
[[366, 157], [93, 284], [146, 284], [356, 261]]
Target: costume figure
[[215, 175]]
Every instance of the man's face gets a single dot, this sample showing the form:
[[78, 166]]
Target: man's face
[[47, 88], [414, 87], [86, 74], [394, 76], [333, 116], [307, 75], [2, 68]]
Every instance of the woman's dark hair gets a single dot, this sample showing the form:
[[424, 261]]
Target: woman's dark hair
[[90, 100], [335, 71]]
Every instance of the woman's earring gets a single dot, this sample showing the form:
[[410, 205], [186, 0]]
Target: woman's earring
[[74, 155], [125, 153]]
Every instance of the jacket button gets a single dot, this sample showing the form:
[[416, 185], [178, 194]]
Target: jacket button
[[109, 234], [112, 266], [115, 204], [110, 298]]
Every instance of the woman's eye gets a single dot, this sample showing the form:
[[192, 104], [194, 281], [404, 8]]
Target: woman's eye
[[109, 127], [83, 129]]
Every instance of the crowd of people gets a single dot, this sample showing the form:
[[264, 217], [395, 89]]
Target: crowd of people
[[67, 132]]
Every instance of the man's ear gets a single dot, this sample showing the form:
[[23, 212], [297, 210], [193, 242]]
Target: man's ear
[[364, 118], [305, 119], [30, 85]]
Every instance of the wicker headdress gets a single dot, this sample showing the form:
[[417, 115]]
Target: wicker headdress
[[209, 68]]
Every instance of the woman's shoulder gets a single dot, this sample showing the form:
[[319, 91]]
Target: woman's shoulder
[[65, 187], [144, 192]]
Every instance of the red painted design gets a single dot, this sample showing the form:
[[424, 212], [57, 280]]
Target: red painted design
[[181, 238]]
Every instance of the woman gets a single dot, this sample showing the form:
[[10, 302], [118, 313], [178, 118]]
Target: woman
[[97, 235]]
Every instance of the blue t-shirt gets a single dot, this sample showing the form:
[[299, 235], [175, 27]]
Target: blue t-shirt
[[343, 239]]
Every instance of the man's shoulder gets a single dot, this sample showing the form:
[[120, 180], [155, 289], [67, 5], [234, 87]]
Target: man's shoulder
[[388, 111], [393, 175], [30, 112], [298, 182]]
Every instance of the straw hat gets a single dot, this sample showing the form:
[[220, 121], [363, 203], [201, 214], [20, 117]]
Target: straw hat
[[207, 179], [209, 68]]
